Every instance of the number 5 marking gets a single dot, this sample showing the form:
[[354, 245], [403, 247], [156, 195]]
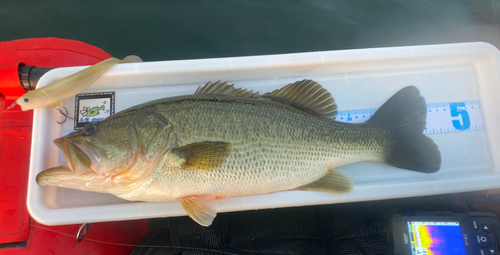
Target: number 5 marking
[[457, 109]]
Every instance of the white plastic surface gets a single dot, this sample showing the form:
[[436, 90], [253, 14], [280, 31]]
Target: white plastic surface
[[358, 79]]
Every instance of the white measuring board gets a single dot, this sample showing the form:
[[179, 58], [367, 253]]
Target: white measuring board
[[444, 73], [441, 118]]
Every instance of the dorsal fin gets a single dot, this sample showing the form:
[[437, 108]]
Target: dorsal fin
[[306, 95], [225, 89]]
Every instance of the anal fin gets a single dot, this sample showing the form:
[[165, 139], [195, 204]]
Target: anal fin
[[201, 208], [332, 182]]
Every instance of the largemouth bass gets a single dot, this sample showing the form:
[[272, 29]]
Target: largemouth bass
[[223, 142]]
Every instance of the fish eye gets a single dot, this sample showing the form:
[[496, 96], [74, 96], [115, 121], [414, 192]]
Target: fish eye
[[89, 129], [26, 100]]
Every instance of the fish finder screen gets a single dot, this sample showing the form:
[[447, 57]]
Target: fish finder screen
[[436, 238]]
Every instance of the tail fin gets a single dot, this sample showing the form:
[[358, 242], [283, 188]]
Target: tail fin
[[403, 118]]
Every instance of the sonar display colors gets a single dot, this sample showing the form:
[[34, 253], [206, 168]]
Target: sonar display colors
[[436, 238]]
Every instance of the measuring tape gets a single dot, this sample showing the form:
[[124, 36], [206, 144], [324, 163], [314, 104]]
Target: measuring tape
[[441, 118]]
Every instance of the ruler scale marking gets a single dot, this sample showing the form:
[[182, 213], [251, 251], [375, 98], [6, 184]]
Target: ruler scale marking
[[441, 118]]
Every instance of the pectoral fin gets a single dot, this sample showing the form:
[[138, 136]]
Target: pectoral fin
[[333, 182], [203, 156], [201, 208]]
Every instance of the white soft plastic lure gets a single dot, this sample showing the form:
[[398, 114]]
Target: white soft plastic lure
[[66, 87]]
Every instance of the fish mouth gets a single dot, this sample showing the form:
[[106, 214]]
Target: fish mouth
[[74, 174], [78, 161], [62, 176], [83, 171], [54, 176]]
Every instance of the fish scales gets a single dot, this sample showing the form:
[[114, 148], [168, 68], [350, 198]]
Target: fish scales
[[274, 147]]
